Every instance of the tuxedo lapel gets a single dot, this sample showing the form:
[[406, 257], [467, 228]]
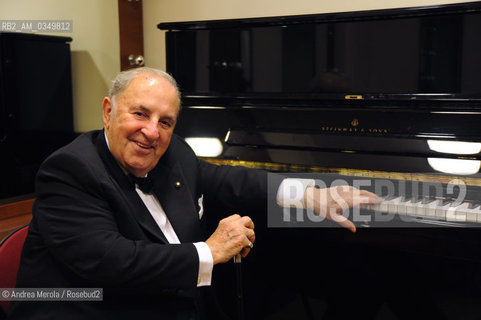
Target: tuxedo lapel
[[136, 206], [176, 199]]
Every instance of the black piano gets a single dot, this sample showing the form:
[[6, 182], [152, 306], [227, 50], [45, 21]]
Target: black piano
[[390, 99]]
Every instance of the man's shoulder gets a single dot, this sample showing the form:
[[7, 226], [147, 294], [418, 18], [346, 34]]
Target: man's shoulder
[[77, 163], [179, 149], [81, 150], [80, 146]]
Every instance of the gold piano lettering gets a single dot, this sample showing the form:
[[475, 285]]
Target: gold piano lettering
[[353, 130]]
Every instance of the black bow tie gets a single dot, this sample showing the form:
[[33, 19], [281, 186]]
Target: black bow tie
[[145, 184]]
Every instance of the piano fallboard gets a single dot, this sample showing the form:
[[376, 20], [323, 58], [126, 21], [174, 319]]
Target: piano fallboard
[[435, 122]]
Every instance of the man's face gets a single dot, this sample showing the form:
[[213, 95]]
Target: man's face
[[139, 130]]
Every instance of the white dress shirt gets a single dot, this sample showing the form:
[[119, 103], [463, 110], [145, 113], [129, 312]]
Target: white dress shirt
[[289, 194], [206, 261]]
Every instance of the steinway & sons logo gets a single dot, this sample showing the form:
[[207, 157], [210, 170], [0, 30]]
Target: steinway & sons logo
[[353, 128]]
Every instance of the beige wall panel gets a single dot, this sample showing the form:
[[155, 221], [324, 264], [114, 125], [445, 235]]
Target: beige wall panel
[[95, 48]]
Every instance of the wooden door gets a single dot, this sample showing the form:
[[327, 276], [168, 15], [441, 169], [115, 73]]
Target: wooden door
[[131, 34]]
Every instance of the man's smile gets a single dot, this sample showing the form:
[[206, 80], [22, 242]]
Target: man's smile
[[143, 145]]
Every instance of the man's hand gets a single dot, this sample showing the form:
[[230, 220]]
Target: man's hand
[[332, 202], [234, 234]]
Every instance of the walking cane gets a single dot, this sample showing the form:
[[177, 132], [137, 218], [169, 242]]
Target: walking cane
[[240, 297]]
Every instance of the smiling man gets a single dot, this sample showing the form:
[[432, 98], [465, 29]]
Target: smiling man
[[139, 121], [95, 225], [122, 209]]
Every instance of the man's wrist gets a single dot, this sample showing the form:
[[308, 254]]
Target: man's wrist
[[292, 192], [206, 264]]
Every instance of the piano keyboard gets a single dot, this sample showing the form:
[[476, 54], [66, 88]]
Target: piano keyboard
[[432, 209]]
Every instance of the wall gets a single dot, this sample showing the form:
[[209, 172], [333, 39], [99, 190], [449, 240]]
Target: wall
[[156, 11], [95, 48]]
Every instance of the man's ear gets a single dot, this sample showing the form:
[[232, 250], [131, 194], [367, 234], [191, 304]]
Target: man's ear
[[107, 111]]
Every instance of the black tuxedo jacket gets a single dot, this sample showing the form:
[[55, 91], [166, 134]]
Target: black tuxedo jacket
[[91, 230]]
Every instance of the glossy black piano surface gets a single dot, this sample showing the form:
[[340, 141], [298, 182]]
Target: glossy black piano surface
[[386, 95], [376, 54]]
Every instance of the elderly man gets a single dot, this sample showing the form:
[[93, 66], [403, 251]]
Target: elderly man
[[122, 209]]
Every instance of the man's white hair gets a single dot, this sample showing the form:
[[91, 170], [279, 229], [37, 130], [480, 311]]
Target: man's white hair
[[123, 79]]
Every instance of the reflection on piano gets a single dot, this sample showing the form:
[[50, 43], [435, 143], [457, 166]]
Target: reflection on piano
[[388, 98]]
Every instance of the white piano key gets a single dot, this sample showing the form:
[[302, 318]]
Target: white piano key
[[373, 207], [457, 213], [401, 206], [472, 214], [411, 207], [430, 210], [442, 210], [393, 205], [422, 207], [462, 211], [384, 206], [478, 214], [450, 213]]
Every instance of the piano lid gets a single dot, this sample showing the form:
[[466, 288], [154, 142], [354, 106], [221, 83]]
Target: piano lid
[[418, 57]]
